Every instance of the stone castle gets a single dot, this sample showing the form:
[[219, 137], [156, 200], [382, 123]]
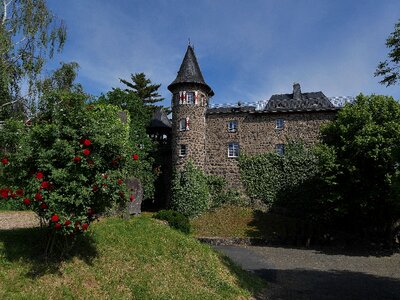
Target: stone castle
[[213, 137]]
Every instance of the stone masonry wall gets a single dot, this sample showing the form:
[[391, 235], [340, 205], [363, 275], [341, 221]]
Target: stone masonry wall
[[256, 134]]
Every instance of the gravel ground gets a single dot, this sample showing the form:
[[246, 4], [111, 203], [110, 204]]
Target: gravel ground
[[320, 274], [18, 219]]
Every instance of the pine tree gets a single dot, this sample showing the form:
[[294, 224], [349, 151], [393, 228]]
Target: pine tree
[[143, 88]]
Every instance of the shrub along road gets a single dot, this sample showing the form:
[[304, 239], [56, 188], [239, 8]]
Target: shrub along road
[[320, 274]]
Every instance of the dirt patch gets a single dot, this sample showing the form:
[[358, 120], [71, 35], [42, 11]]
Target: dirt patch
[[18, 219]]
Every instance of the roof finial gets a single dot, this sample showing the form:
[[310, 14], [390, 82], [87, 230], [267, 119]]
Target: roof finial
[[190, 45]]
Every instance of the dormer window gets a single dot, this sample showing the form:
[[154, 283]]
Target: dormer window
[[279, 123], [232, 126]]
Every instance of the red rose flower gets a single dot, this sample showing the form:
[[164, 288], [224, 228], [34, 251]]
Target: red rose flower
[[95, 188], [105, 176], [4, 193], [12, 195], [90, 212], [27, 201], [57, 226], [86, 152], [85, 226], [19, 192], [122, 195], [38, 197], [55, 218], [45, 184], [135, 156], [132, 198], [120, 181], [39, 175], [67, 223], [43, 206], [87, 143], [4, 161], [77, 159]]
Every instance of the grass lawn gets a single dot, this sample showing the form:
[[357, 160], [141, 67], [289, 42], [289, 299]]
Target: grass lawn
[[233, 221], [135, 259]]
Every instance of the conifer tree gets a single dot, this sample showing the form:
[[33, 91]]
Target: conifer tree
[[143, 88]]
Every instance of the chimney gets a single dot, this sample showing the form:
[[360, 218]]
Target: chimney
[[296, 91]]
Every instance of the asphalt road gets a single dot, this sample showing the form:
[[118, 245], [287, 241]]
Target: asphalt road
[[320, 274]]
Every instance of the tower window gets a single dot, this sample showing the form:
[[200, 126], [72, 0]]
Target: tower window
[[182, 150], [232, 126], [280, 149], [190, 97], [184, 124], [279, 123], [233, 150]]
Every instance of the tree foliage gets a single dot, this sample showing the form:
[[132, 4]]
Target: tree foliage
[[29, 34], [141, 142], [143, 88], [390, 69], [365, 138]]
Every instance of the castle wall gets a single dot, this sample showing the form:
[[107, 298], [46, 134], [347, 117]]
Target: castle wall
[[256, 134]]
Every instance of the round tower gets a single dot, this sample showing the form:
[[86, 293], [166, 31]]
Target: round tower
[[190, 96]]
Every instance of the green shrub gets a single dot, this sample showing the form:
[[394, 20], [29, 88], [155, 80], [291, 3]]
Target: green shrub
[[69, 165], [190, 192], [175, 219], [220, 193]]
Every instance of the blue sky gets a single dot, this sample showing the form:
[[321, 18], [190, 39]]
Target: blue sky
[[247, 50]]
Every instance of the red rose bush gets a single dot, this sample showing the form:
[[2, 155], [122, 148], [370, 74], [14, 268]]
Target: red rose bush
[[64, 167]]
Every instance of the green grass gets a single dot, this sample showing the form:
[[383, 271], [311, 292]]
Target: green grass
[[234, 221], [135, 259]]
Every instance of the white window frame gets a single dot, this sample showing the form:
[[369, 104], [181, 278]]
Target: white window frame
[[280, 149], [182, 124], [182, 150], [233, 150], [233, 128], [190, 96], [279, 123]]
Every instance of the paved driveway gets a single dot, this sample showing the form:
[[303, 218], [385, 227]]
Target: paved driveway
[[324, 274]]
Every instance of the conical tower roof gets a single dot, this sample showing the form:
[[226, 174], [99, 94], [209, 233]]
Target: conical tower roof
[[190, 72]]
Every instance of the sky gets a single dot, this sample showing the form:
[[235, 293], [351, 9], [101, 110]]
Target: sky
[[247, 50]]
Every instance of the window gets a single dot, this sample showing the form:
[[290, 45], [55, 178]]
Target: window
[[233, 150], [184, 124], [182, 150], [232, 126], [190, 97], [280, 149], [279, 123]]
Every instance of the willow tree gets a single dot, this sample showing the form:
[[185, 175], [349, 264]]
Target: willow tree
[[29, 35]]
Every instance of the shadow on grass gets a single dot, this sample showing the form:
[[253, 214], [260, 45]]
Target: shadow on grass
[[288, 232], [28, 245]]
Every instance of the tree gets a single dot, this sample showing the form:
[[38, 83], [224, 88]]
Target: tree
[[29, 34], [365, 138], [390, 69], [142, 144], [142, 87]]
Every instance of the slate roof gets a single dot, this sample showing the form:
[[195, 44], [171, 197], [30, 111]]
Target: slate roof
[[226, 110], [160, 119], [308, 101], [190, 72]]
